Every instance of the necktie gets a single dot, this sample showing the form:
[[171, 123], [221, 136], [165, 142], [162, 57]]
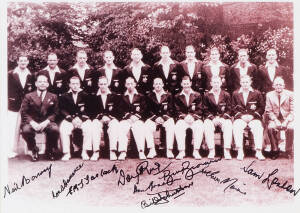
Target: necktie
[[41, 96], [280, 117]]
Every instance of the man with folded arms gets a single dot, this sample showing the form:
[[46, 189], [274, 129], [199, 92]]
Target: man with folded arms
[[248, 107], [217, 111], [160, 107], [134, 111], [105, 112], [188, 108], [74, 106]]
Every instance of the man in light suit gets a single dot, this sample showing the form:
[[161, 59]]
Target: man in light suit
[[188, 109], [38, 112], [248, 107], [280, 116], [74, 107]]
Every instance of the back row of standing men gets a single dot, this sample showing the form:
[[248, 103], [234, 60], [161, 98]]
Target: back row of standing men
[[21, 81]]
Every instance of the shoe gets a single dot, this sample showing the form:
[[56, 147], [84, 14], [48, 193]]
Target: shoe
[[12, 155], [122, 156], [227, 155], [142, 155], [211, 154], [112, 156], [35, 154], [170, 154], [274, 155], [240, 155], [152, 153], [268, 148], [51, 156], [180, 155], [66, 157], [95, 156], [196, 154], [84, 155], [259, 155]]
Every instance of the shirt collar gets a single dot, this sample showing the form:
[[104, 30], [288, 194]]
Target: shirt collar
[[113, 66], [134, 92], [250, 90], [70, 91], [169, 61], [86, 67], [140, 64], [107, 92], [219, 64], [56, 69], [18, 71], [275, 64], [191, 92], [163, 92], [212, 92], [247, 64], [187, 61]]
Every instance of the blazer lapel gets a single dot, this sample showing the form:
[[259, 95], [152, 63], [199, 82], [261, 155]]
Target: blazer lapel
[[283, 97], [192, 98], [182, 98], [241, 97], [163, 97], [212, 98], [36, 99], [185, 68]]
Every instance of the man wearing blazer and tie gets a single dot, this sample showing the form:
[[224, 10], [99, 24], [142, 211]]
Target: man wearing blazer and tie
[[217, 112], [160, 106], [105, 112], [248, 107], [193, 68], [112, 74], [169, 70], [74, 107], [280, 117], [39, 110], [139, 71], [134, 116], [20, 82], [188, 109]]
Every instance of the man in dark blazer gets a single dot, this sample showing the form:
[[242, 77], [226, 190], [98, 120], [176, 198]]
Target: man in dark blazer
[[242, 67], [139, 71], [84, 71], [105, 112], [193, 68], [189, 110], [161, 112], [112, 73], [215, 68], [217, 112], [169, 70], [248, 107], [20, 82], [74, 107], [134, 116], [38, 111]]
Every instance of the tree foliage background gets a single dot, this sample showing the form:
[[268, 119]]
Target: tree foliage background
[[39, 28]]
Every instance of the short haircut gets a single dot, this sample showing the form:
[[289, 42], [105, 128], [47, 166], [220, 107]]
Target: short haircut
[[186, 77], [107, 51], [52, 53], [214, 49], [74, 77], [243, 50], [22, 55], [102, 77], [190, 46], [41, 74], [278, 78], [158, 78], [81, 52], [164, 46], [130, 78], [246, 77], [136, 49]]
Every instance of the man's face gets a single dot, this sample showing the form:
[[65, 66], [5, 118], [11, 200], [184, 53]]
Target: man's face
[[74, 84], [186, 85], [243, 56], [130, 85], [109, 58], [216, 83], [81, 59], [190, 53], [158, 84], [214, 55], [165, 53], [42, 83], [52, 61], [278, 85], [23, 62], [103, 85], [136, 56], [245, 83], [271, 56]]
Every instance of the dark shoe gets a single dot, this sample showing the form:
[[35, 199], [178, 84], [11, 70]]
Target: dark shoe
[[274, 155], [35, 154], [51, 156]]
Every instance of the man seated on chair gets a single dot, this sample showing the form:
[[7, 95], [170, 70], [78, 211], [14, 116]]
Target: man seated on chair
[[248, 107], [188, 108], [74, 106], [217, 111], [105, 112], [134, 111], [38, 112], [160, 106], [280, 113]]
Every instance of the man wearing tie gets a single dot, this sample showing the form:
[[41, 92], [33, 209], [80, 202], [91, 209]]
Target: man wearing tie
[[192, 68], [20, 82], [248, 107], [38, 112], [188, 109], [280, 116], [74, 107], [160, 106], [134, 110], [105, 112], [217, 113]]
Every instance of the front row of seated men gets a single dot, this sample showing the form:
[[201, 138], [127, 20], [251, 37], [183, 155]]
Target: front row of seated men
[[143, 115]]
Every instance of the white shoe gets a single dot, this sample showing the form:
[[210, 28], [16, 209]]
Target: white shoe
[[152, 153], [142, 155], [84, 155], [170, 154], [66, 157], [196, 154], [180, 155], [12, 155], [259, 155], [95, 156], [240, 155], [227, 155], [122, 156], [211, 154], [112, 156]]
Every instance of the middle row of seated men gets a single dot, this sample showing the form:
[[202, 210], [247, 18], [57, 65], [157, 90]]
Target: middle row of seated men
[[142, 114]]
